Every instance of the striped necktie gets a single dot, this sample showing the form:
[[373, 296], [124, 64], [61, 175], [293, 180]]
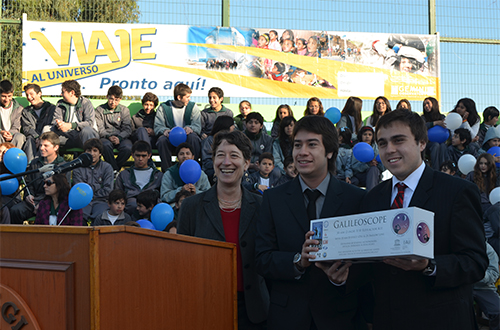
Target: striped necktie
[[398, 201]]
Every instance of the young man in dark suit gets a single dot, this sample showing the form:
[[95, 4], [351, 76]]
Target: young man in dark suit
[[436, 293], [302, 295]]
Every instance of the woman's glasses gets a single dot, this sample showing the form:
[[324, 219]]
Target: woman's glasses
[[49, 183]]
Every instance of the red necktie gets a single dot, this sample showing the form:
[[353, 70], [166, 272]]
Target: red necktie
[[400, 197]]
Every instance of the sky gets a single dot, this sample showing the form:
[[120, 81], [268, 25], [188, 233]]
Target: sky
[[467, 70]]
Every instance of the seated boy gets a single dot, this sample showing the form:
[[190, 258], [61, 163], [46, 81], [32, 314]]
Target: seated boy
[[99, 175], [10, 116], [172, 183], [177, 113], [143, 122], [263, 179], [179, 197], [216, 109], [115, 215], [261, 141], [491, 139], [115, 127], [139, 177], [459, 145], [290, 171], [74, 117], [49, 148], [35, 119], [146, 201], [490, 115]]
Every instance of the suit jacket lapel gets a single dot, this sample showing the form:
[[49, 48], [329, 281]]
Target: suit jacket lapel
[[296, 205], [421, 194], [212, 211]]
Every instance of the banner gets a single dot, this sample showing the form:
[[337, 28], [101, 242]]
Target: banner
[[155, 58]]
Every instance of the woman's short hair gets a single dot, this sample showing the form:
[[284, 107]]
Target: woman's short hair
[[237, 138]]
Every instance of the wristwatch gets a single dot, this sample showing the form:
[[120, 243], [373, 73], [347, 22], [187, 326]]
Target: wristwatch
[[431, 266], [296, 260]]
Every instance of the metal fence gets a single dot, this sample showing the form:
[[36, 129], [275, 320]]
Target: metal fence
[[470, 39]]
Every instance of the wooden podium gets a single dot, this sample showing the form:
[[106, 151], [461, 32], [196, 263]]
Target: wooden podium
[[114, 277]]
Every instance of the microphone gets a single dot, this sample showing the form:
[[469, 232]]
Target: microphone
[[83, 161]]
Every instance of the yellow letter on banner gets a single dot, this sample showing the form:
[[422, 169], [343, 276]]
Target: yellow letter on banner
[[138, 43]]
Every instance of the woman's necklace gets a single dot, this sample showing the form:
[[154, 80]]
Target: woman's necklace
[[229, 206]]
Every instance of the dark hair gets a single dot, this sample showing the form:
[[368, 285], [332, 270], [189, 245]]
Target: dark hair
[[407, 117], [353, 107], [216, 90], [182, 193], [290, 33], [266, 155], [287, 161], [364, 129], [62, 185], [346, 135], [182, 90], [434, 114], [470, 106], [150, 97], [115, 91], [51, 137], [489, 113], [286, 142], [222, 123], [463, 134], [255, 115], [400, 103], [116, 195], [237, 138], [148, 197], [72, 85], [375, 114], [280, 66], [35, 88], [486, 182], [184, 145], [321, 111], [287, 107], [141, 146], [93, 143], [325, 128], [450, 165], [6, 87], [172, 224]]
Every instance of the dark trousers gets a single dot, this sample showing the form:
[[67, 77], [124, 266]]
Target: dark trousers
[[124, 151]]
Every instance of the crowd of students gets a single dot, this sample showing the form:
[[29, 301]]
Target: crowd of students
[[125, 195]]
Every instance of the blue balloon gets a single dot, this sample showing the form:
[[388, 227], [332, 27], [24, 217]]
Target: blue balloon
[[190, 171], [80, 196], [363, 152], [177, 136], [146, 224], [333, 114], [9, 186], [495, 152], [438, 134], [161, 215], [15, 160], [378, 159]]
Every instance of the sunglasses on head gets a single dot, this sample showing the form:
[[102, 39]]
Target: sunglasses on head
[[49, 183]]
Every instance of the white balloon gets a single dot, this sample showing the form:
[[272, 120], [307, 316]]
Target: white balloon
[[453, 121], [466, 164], [495, 196]]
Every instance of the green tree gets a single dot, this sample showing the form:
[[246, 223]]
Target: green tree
[[103, 11]]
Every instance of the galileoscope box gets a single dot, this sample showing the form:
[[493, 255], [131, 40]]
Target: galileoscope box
[[402, 233]]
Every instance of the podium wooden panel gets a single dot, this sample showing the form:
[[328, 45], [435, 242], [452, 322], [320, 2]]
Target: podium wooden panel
[[116, 277]]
